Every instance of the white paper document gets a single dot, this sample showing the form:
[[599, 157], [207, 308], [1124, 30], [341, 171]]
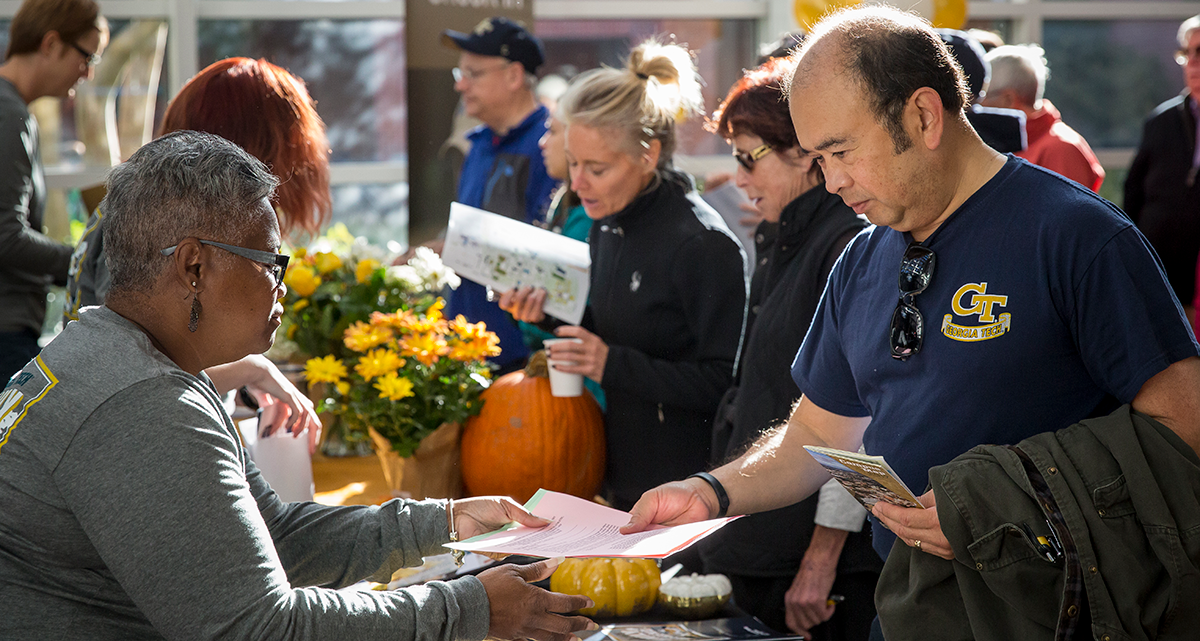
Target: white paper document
[[581, 528], [503, 253]]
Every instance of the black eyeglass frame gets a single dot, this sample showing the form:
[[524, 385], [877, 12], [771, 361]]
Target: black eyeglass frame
[[907, 331], [92, 59], [277, 262], [747, 158]]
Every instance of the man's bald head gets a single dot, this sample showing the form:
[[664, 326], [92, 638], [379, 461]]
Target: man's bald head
[[890, 54]]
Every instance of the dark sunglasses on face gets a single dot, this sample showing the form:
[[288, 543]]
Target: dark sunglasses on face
[[908, 327], [276, 263], [747, 158]]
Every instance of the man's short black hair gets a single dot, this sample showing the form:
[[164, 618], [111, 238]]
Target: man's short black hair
[[893, 54]]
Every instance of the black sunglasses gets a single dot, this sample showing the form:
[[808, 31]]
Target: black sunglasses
[[747, 158], [277, 263], [908, 328]]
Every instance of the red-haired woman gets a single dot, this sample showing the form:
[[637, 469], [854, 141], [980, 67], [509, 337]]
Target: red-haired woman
[[786, 564], [268, 112]]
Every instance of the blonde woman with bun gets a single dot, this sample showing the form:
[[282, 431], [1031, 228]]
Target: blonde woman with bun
[[668, 290]]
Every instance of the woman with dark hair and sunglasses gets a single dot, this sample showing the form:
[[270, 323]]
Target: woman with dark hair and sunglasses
[[786, 565], [266, 111]]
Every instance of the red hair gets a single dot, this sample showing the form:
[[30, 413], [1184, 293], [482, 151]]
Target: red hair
[[268, 112], [757, 104]]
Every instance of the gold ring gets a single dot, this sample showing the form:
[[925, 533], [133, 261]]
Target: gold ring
[[917, 544]]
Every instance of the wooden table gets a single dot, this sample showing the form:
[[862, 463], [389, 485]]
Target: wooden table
[[348, 480]]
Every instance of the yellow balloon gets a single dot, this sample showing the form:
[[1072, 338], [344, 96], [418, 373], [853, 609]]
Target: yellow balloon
[[949, 14], [810, 12]]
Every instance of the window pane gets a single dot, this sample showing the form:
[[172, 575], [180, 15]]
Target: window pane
[[723, 49], [1107, 76], [354, 70], [378, 212]]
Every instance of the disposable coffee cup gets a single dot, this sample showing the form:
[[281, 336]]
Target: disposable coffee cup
[[563, 384]]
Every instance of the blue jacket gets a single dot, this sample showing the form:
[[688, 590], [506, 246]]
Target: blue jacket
[[504, 175]]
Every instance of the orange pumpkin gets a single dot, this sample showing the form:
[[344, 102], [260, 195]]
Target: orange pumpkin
[[525, 439]]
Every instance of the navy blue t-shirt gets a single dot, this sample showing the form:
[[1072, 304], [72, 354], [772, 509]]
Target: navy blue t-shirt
[[1045, 299]]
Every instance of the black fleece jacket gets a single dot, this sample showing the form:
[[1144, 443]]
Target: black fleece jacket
[[668, 296]]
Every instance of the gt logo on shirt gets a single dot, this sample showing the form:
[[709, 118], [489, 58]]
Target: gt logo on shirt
[[27, 388], [972, 299]]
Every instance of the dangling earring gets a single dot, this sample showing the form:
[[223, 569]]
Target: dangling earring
[[194, 321]]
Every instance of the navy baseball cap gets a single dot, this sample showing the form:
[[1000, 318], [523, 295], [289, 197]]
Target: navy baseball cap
[[499, 37], [970, 56]]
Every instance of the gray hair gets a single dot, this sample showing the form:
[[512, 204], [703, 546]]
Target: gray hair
[[1022, 68], [1186, 29], [183, 184], [639, 103]]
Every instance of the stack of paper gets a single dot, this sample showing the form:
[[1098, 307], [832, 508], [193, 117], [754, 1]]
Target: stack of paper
[[581, 528]]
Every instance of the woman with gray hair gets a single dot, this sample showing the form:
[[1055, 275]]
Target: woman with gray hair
[[668, 286], [128, 507]]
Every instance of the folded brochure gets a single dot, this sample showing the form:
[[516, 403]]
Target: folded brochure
[[581, 528], [869, 478], [711, 629]]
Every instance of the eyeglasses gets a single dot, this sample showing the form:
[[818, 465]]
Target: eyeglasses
[[908, 328], [747, 158], [461, 73], [92, 59], [276, 262], [1184, 56]]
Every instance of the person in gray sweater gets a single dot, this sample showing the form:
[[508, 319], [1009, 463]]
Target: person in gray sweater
[[128, 507], [53, 44]]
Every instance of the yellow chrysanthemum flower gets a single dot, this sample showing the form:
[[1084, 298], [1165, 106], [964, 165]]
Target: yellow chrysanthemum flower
[[302, 280], [325, 369], [361, 337], [301, 304], [299, 253], [378, 362], [364, 269], [393, 387], [426, 347], [395, 320], [326, 262], [343, 387]]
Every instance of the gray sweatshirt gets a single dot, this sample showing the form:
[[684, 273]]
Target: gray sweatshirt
[[129, 510], [29, 260]]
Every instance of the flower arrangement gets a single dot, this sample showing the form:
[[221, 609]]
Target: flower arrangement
[[407, 373], [342, 282]]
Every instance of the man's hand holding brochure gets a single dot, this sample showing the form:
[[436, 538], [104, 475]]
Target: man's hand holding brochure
[[581, 528]]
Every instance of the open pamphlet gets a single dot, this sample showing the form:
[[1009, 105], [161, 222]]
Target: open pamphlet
[[869, 478], [581, 528], [739, 628], [503, 253]]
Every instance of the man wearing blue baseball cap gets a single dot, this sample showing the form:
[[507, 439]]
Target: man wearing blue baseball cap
[[503, 172]]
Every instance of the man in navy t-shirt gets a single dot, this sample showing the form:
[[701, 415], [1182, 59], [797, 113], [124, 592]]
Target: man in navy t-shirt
[[1028, 303]]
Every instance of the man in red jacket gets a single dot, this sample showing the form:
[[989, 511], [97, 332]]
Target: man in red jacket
[[1019, 74]]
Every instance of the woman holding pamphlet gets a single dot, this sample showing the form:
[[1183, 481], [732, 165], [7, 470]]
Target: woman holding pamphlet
[[668, 286], [785, 564]]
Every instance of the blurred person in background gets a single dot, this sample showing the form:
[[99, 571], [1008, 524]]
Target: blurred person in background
[[266, 111], [1019, 75], [1162, 194], [1001, 129], [668, 286], [503, 172], [53, 44], [785, 564]]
